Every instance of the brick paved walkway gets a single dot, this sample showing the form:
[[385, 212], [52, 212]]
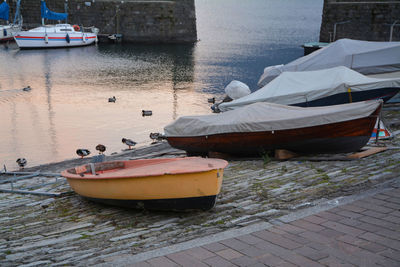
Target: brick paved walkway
[[365, 232]]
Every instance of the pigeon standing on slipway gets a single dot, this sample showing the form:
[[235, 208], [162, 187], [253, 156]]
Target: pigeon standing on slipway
[[82, 152], [128, 142], [157, 136], [101, 148], [21, 162]]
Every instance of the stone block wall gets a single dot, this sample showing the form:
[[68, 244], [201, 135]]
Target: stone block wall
[[159, 21], [365, 20]]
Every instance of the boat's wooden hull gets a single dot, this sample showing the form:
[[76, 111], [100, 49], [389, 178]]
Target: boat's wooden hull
[[342, 137], [167, 191]]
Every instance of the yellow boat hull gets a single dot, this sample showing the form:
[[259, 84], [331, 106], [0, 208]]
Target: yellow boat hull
[[176, 191], [153, 187]]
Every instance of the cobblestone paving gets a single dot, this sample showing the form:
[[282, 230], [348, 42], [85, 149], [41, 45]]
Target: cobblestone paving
[[365, 232], [69, 230]]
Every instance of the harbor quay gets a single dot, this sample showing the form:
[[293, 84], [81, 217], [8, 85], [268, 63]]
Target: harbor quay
[[161, 21], [317, 210]]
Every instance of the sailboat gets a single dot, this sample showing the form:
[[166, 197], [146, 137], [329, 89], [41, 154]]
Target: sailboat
[[59, 35], [8, 31]]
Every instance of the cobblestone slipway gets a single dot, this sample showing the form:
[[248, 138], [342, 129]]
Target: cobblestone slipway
[[40, 231]]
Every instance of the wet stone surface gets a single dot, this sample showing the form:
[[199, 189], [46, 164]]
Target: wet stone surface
[[69, 230]]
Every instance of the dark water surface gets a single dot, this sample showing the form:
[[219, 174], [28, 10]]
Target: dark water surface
[[68, 106]]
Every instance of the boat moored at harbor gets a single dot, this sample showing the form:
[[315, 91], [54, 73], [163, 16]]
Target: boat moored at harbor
[[53, 36], [8, 31]]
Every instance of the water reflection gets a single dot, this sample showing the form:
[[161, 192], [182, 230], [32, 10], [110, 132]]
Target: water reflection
[[67, 107], [48, 85]]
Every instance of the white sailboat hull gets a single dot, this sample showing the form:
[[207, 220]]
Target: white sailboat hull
[[54, 36]]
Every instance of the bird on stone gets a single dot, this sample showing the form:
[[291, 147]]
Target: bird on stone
[[21, 162], [101, 148], [128, 142], [157, 136], [112, 99], [26, 89], [82, 152]]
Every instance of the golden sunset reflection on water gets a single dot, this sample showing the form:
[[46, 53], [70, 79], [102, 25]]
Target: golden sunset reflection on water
[[68, 106]]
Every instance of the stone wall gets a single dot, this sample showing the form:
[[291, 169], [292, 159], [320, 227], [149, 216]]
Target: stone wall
[[363, 20], [139, 21]]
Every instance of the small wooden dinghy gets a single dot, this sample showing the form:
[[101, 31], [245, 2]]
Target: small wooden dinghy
[[162, 184]]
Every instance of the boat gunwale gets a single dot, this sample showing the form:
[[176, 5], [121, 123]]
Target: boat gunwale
[[89, 176]]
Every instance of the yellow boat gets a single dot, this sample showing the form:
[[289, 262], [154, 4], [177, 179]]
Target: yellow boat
[[161, 183]]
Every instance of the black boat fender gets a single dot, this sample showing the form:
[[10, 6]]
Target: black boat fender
[[67, 38]]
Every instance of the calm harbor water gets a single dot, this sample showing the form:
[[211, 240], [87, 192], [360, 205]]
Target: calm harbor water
[[68, 107]]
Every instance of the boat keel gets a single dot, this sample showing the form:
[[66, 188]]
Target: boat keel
[[174, 204]]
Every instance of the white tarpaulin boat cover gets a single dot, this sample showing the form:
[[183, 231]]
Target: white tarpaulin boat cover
[[363, 56], [297, 87], [259, 117]]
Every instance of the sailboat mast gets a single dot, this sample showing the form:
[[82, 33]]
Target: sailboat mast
[[17, 16]]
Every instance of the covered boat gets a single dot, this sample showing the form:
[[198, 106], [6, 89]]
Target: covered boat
[[8, 30], [387, 75], [161, 184], [362, 56], [333, 86], [59, 35], [259, 127]]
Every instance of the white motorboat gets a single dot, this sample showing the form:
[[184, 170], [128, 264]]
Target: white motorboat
[[59, 35], [8, 31]]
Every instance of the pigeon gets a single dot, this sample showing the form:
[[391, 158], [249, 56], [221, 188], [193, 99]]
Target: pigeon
[[112, 99], [101, 148], [82, 152], [128, 142], [157, 136], [21, 162]]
